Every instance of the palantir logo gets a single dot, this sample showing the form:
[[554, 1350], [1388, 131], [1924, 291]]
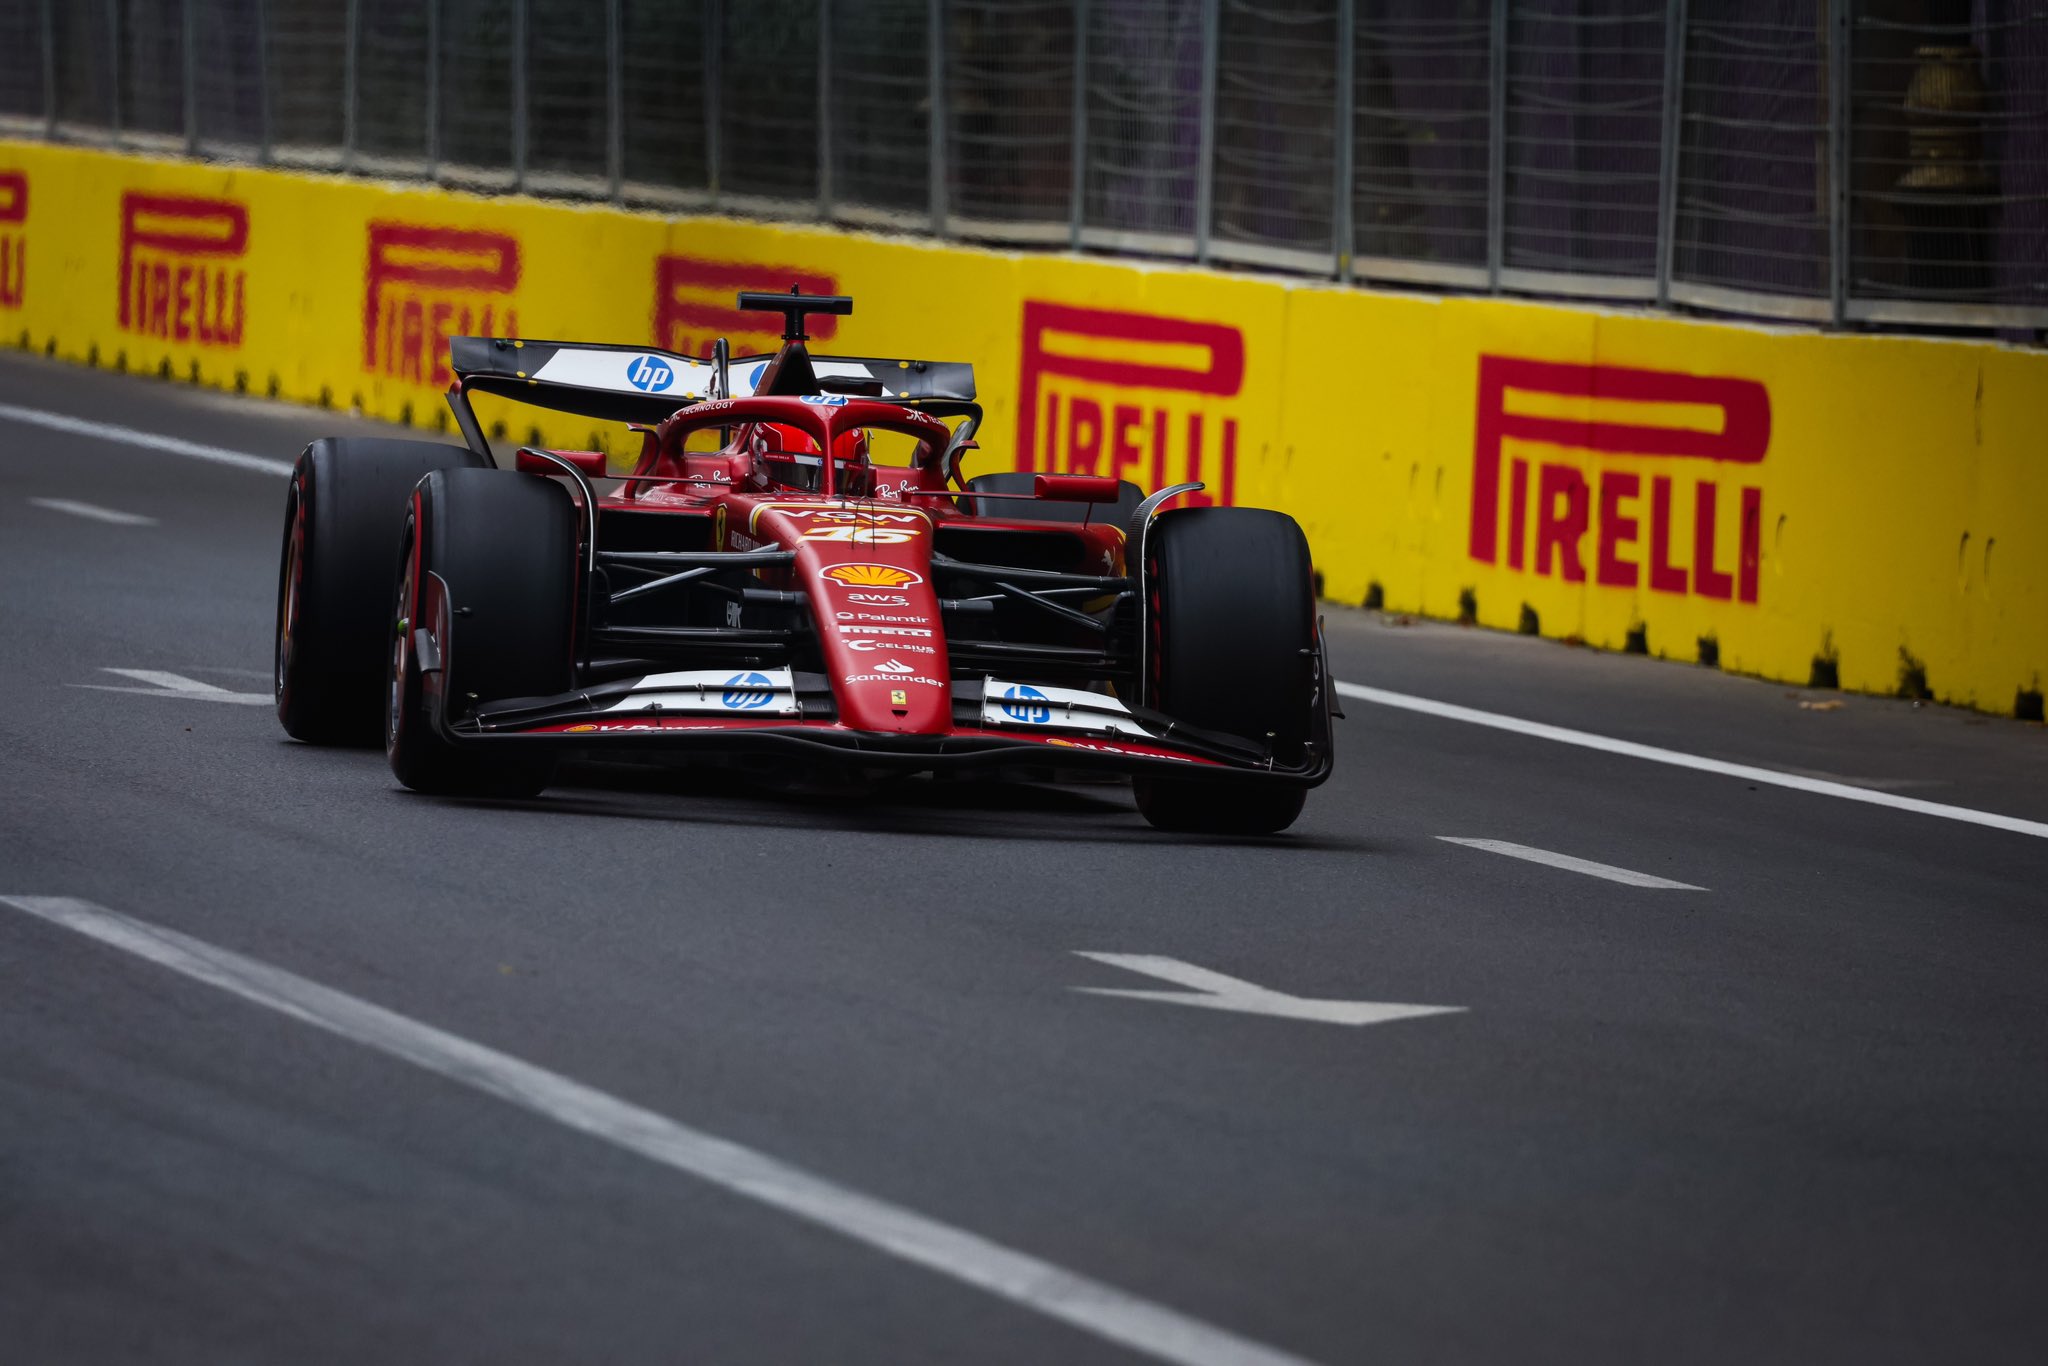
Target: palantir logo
[[650, 374], [1026, 704]]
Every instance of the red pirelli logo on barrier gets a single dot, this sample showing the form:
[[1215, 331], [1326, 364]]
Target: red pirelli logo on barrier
[[1129, 395], [424, 285], [693, 304], [13, 243], [179, 277], [1710, 429]]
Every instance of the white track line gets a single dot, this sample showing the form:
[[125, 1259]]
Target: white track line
[[161, 684], [170, 445], [1572, 865], [1075, 1300], [1680, 759], [93, 512]]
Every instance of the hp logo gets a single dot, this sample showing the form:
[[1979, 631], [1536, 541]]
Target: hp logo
[[650, 374], [1027, 704], [747, 692]]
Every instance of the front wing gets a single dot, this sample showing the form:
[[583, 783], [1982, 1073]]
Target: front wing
[[997, 726]]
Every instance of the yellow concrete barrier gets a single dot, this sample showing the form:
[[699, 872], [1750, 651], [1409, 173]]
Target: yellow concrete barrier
[[1779, 501]]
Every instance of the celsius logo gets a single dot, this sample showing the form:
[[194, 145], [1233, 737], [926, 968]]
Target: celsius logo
[[650, 374], [747, 692], [1027, 704]]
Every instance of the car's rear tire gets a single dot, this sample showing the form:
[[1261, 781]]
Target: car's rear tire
[[342, 518], [505, 546], [1231, 629]]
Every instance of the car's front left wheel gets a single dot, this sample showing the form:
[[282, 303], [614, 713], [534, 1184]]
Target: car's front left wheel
[[504, 545]]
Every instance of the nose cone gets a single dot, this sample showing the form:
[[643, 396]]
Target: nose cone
[[867, 572]]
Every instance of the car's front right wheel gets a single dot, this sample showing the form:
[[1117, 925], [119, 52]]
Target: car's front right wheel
[[1230, 646]]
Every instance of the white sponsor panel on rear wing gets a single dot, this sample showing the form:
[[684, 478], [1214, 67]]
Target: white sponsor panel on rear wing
[[1031, 707], [648, 372]]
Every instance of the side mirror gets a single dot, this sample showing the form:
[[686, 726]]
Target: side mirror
[[591, 463], [1076, 488]]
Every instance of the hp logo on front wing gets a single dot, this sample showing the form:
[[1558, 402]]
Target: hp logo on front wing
[[650, 374], [747, 692], [1026, 704]]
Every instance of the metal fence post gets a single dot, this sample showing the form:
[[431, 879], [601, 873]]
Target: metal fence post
[[1497, 149], [188, 23], [1343, 234], [350, 42], [615, 97], [935, 54], [49, 68], [519, 94], [1672, 148], [825, 109], [1205, 167], [1078, 163], [1838, 160], [262, 82], [433, 100], [714, 78], [114, 70]]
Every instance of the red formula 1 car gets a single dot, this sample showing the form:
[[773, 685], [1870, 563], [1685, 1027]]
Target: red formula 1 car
[[795, 575]]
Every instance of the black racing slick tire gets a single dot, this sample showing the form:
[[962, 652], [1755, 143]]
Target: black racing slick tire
[[342, 519], [1231, 635], [505, 546]]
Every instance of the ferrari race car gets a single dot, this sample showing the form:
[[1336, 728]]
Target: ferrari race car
[[795, 577]]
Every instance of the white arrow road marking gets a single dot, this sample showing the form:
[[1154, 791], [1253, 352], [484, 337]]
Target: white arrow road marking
[[1024, 1280], [1573, 865], [1215, 991], [92, 512], [177, 685], [1564, 735], [130, 436]]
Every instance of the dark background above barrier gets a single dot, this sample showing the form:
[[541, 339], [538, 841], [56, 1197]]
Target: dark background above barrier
[[1844, 163]]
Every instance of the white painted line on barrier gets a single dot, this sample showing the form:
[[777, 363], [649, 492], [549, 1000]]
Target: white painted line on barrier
[[170, 445], [1211, 990], [1024, 1280], [163, 684], [1699, 763], [92, 512], [1573, 865]]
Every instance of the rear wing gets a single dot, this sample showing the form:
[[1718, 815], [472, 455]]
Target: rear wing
[[612, 383]]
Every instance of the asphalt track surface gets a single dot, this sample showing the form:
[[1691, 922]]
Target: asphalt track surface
[[1799, 1115]]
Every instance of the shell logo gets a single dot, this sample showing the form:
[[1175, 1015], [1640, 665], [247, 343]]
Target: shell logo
[[871, 575]]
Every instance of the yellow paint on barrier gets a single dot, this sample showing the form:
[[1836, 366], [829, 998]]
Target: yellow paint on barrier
[[1878, 502]]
